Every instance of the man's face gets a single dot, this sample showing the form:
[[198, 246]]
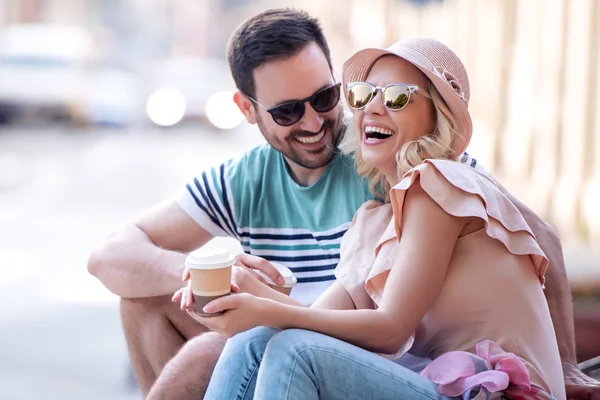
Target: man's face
[[310, 142]]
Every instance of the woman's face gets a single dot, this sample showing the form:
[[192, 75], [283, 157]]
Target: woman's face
[[382, 132]]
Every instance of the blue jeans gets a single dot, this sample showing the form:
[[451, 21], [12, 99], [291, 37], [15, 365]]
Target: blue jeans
[[265, 364]]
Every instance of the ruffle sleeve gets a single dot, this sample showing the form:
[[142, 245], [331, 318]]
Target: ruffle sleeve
[[462, 192], [357, 253]]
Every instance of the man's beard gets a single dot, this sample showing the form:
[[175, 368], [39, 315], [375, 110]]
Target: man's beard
[[292, 149]]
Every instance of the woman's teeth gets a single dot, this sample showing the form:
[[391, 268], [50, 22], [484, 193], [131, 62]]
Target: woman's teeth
[[311, 139], [375, 133]]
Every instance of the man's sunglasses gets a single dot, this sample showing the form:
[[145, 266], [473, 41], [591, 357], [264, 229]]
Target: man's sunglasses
[[394, 96], [290, 112]]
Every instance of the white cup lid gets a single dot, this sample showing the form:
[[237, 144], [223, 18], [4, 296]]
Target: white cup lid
[[209, 258], [286, 273]]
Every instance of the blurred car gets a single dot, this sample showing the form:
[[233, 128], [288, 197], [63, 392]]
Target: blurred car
[[113, 97], [188, 88], [50, 71]]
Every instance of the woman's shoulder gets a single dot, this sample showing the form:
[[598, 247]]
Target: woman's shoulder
[[463, 192], [459, 189], [460, 192], [456, 173]]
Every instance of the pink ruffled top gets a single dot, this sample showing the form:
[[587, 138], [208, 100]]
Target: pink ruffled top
[[493, 287]]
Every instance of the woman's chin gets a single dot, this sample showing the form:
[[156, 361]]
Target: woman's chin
[[374, 158]]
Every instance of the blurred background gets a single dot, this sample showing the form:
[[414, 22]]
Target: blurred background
[[108, 107]]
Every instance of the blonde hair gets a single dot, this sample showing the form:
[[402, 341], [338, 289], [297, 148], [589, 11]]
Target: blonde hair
[[436, 145]]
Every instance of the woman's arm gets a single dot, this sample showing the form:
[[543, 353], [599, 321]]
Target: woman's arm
[[419, 268], [249, 283], [420, 263], [334, 298]]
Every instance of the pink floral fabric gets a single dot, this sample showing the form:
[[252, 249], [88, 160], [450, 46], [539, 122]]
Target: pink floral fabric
[[492, 373]]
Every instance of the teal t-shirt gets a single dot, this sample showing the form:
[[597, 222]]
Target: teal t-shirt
[[254, 200]]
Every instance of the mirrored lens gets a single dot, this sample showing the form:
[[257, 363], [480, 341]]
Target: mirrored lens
[[359, 95], [396, 97], [324, 100], [288, 113]]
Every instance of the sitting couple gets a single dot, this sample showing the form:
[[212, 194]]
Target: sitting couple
[[448, 267]]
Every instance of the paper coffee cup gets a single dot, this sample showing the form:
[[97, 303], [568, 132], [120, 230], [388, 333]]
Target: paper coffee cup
[[288, 275], [210, 274]]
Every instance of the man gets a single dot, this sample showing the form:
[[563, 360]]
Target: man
[[289, 201]]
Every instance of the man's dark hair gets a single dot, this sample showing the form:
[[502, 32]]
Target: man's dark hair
[[272, 35]]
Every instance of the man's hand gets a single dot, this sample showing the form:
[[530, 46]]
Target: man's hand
[[247, 281], [184, 295], [255, 263], [578, 385]]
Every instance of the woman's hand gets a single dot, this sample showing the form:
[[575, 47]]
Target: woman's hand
[[185, 296], [242, 311]]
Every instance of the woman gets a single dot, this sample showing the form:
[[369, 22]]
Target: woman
[[446, 267]]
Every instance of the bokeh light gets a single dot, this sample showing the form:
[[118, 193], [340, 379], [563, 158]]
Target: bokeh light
[[166, 107], [222, 112]]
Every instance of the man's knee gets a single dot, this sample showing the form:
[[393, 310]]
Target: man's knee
[[158, 314], [135, 308], [160, 308], [203, 349]]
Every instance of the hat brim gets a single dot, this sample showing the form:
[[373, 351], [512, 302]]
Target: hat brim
[[357, 68]]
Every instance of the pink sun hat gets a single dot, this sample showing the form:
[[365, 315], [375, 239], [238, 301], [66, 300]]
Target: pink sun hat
[[441, 66]]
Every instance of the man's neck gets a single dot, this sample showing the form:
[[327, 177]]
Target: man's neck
[[304, 176]]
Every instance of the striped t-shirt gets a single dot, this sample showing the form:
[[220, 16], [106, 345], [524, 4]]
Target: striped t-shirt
[[254, 200]]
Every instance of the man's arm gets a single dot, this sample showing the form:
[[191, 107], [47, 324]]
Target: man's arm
[[145, 257], [558, 296], [557, 290]]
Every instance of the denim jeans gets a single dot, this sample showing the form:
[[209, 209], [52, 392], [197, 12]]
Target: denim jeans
[[266, 364]]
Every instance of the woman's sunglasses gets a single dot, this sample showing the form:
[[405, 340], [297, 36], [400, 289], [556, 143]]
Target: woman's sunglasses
[[290, 112], [394, 96]]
